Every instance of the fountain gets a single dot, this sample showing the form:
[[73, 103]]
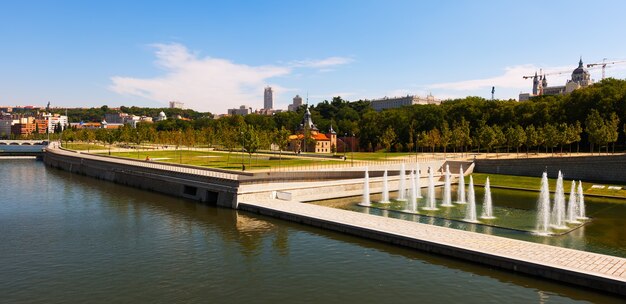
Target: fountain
[[402, 186], [558, 208], [543, 207], [366, 190], [460, 196], [413, 195], [572, 206], [581, 202], [385, 199], [487, 204], [447, 192], [418, 182], [470, 210], [431, 204]]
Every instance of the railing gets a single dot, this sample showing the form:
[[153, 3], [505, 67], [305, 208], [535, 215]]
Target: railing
[[153, 165]]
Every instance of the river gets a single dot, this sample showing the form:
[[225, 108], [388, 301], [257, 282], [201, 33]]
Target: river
[[68, 238]]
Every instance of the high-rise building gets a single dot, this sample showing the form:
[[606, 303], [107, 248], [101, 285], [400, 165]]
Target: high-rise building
[[297, 103], [268, 99]]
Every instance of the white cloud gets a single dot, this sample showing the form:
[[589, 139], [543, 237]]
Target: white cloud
[[322, 64], [206, 83]]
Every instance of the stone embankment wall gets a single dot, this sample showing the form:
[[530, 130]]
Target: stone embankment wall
[[606, 168], [212, 190]]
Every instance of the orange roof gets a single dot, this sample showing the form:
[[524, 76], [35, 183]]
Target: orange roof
[[318, 137]]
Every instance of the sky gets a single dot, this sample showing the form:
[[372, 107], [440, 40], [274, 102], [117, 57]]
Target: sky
[[215, 55]]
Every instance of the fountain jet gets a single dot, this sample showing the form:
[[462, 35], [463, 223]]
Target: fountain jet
[[487, 203], [543, 207], [385, 188], [366, 190], [447, 192], [572, 206], [418, 182], [581, 202], [460, 196], [402, 186], [470, 210], [431, 203], [558, 208]]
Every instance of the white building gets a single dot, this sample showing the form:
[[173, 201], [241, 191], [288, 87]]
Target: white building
[[398, 102], [161, 116], [176, 105], [54, 120], [580, 79]]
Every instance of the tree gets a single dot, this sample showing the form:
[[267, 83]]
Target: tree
[[612, 130], [387, 138], [515, 137], [446, 137], [551, 136], [487, 137], [251, 142], [281, 139], [433, 139], [594, 126]]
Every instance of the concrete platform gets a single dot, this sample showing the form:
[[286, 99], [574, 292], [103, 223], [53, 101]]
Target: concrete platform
[[591, 270]]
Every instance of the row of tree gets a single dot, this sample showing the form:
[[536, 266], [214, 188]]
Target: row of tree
[[588, 117]]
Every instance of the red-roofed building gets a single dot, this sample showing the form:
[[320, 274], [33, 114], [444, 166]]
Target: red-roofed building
[[318, 142]]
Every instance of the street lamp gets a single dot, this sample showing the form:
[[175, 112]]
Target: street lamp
[[352, 150], [345, 136], [243, 144]]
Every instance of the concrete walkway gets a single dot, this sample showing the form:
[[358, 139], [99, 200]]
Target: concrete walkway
[[597, 271]]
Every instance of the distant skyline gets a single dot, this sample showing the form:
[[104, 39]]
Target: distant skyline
[[215, 56]]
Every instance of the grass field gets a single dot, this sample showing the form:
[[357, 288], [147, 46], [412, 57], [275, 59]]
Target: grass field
[[83, 146], [533, 183], [224, 161]]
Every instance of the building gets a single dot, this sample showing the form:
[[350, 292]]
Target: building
[[243, 110], [176, 105], [319, 143], [268, 99], [116, 118], [580, 79], [5, 126], [56, 120], [295, 105], [29, 125], [398, 102], [161, 116]]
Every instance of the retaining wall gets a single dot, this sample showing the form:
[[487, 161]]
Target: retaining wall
[[609, 168]]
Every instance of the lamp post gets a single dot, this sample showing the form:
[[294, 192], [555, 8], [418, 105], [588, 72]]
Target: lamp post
[[352, 150], [345, 136], [180, 153], [243, 144]]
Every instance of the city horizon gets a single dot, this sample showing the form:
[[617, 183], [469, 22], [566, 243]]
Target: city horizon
[[201, 56]]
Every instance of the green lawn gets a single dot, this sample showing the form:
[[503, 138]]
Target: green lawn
[[375, 155], [83, 146], [533, 183], [223, 161]]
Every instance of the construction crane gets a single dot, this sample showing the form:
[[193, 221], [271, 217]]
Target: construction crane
[[542, 74], [604, 63]]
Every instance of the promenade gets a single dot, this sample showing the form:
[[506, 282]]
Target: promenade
[[592, 270]]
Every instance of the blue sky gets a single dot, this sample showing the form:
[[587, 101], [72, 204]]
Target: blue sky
[[216, 55]]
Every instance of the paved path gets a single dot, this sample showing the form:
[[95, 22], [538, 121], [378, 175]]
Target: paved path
[[563, 264]]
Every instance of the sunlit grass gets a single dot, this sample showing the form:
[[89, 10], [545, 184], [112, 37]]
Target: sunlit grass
[[533, 183]]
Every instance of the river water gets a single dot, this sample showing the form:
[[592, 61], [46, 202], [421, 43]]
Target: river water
[[68, 238]]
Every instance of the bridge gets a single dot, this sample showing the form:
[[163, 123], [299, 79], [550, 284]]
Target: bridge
[[22, 147]]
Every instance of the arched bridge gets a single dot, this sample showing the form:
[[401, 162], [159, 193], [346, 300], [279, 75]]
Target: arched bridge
[[22, 147]]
